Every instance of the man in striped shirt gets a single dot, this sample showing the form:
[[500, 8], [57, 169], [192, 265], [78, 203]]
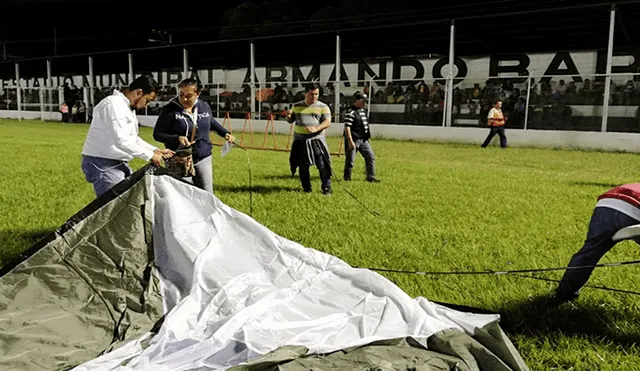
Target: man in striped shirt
[[356, 135], [311, 118]]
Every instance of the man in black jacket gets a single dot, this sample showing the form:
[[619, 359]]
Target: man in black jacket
[[356, 135]]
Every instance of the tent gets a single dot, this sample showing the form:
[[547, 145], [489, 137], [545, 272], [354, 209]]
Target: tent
[[157, 274]]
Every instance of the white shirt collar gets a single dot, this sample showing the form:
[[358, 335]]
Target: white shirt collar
[[124, 97]]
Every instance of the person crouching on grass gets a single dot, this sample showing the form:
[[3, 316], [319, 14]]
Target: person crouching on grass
[[496, 120], [176, 123], [616, 209]]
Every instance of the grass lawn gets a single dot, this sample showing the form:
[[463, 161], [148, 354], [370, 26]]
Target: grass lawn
[[442, 207]]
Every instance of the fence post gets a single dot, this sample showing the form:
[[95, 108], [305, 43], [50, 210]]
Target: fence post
[[49, 85], [85, 97], [449, 96], [19, 92], [526, 109], [61, 97], [185, 63], [336, 84], [130, 68], [41, 97], [91, 83], [252, 71], [607, 84], [369, 99]]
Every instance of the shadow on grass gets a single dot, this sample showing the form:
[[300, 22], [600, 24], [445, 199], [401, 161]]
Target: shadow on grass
[[261, 189], [14, 242], [594, 184], [540, 317], [279, 177]]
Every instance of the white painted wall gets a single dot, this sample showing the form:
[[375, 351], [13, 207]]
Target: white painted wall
[[31, 115], [629, 142]]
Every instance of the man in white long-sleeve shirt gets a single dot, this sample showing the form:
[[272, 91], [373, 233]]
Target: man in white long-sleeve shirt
[[113, 141]]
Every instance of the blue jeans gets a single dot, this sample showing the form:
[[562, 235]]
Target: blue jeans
[[496, 130], [364, 147], [104, 173], [605, 222], [204, 175]]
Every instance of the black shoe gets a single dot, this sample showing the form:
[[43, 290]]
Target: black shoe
[[326, 192], [347, 179], [560, 298], [373, 180], [307, 190]]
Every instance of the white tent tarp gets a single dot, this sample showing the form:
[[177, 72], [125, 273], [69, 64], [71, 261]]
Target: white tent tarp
[[234, 291]]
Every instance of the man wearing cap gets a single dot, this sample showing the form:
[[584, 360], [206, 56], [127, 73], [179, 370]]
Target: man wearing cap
[[356, 138]]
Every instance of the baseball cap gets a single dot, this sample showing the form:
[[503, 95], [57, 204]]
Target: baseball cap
[[358, 96]]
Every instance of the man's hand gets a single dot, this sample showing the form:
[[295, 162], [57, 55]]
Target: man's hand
[[184, 141], [352, 145], [157, 158], [230, 138], [288, 114], [312, 129], [164, 153]]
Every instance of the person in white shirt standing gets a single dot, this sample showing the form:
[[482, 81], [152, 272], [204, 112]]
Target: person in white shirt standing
[[496, 120], [113, 140]]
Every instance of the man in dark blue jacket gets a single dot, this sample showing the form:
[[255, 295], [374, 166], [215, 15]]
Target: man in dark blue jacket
[[175, 125]]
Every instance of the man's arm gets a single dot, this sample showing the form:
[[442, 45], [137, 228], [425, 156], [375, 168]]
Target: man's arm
[[161, 130], [291, 117], [326, 119], [490, 117], [348, 122], [219, 129], [121, 130]]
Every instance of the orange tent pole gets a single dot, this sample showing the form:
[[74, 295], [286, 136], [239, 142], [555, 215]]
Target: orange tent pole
[[289, 137], [273, 131]]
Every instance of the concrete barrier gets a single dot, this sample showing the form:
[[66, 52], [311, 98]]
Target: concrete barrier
[[589, 140]]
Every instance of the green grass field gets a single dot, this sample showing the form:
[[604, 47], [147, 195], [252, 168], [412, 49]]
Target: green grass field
[[442, 207]]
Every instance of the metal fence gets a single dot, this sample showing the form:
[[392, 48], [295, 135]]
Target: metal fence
[[407, 91]]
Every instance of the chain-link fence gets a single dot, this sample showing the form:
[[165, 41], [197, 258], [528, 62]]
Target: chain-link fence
[[565, 103], [546, 91], [624, 102], [32, 103]]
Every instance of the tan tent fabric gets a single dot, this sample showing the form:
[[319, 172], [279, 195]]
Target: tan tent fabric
[[83, 293], [447, 350]]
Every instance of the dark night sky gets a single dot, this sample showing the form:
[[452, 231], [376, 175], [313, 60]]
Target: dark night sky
[[100, 25]]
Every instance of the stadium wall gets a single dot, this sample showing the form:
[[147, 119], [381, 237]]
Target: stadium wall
[[588, 140], [569, 65], [626, 142]]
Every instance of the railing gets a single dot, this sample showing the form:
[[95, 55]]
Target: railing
[[545, 102], [421, 91]]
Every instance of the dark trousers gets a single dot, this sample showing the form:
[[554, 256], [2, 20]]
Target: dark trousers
[[605, 222], [324, 168], [496, 130], [364, 147]]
